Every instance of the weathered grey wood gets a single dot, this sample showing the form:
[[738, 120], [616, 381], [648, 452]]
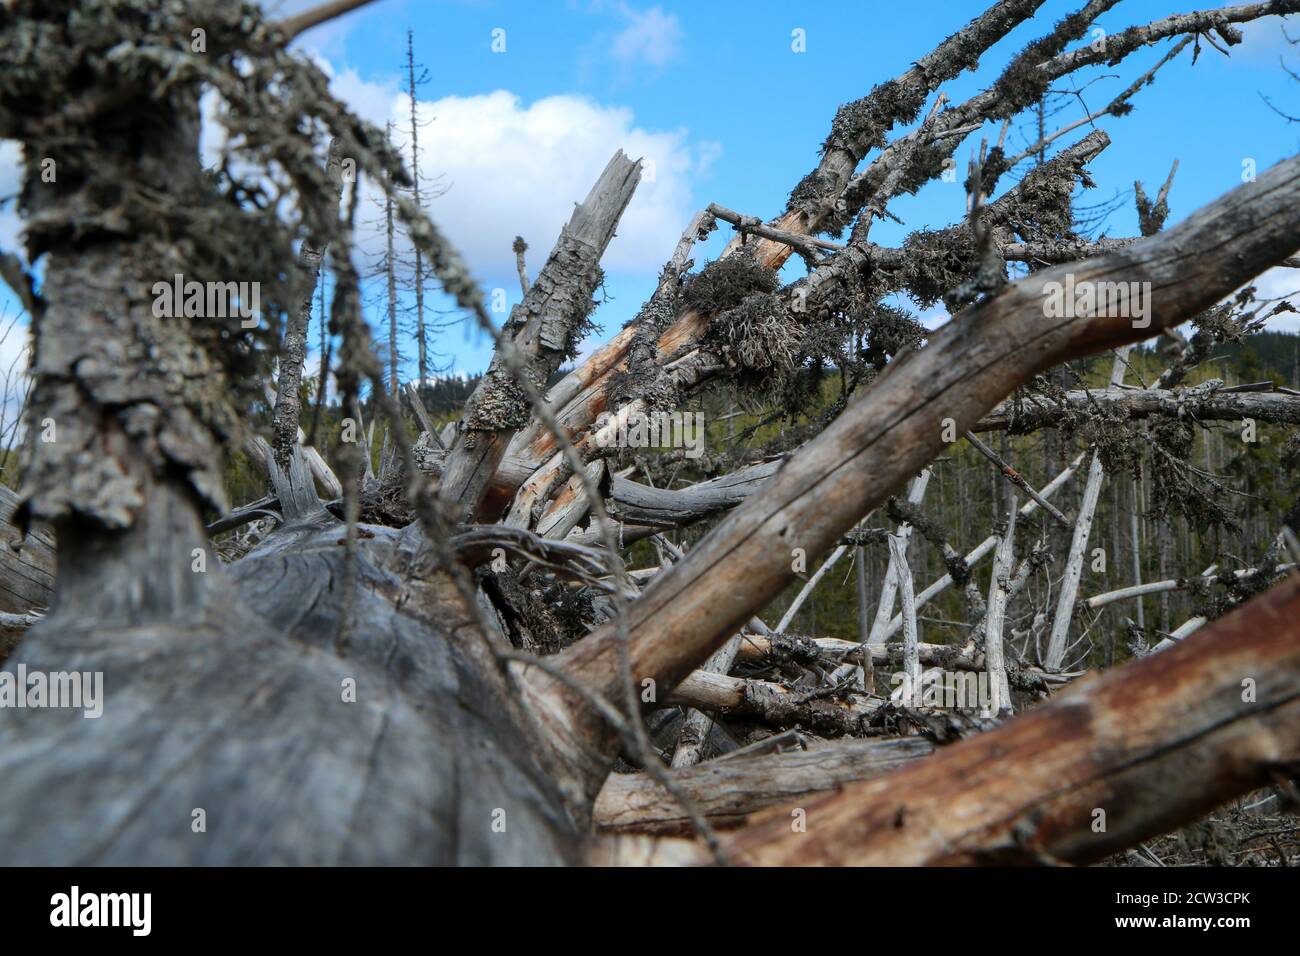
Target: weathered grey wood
[[985, 547], [1099, 601], [27, 564], [293, 484], [808, 588], [755, 647], [1189, 626], [293, 350], [316, 15], [541, 328], [889, 589], [412, 393], [907, 600], [774, 703], [297, 484], [999, 590], [638, 503], [267, 505], [199, 677], [1054, 656], [18, 621], [1203, 402], [1155, 743], [696, 724], [728, 789], [286, 770], [895, 427], [320, 469], [569, 505]]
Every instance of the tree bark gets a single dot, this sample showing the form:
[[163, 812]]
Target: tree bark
[[894, 429], [1153, 744], [1056, 643], [727, 790], [543, 329]]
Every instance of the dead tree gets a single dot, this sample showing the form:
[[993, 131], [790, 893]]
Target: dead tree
[[353, 692]]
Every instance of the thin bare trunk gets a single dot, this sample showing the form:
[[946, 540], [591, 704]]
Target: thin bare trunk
[[1057, 642]]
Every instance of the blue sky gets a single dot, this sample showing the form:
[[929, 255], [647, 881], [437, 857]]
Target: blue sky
[[729, 113]]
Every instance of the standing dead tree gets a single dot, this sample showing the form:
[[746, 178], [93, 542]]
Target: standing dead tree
[[350, 693]]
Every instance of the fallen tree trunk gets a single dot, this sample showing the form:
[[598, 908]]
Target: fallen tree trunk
[[27, 562], [640, 504], [893, 430], [230, 697], [26, 574], [287, 753], [696, 724], [1173, 584], [775, 704], [1200, 403], [728, 789], [816, 201], [754, 647], [1120, 758]]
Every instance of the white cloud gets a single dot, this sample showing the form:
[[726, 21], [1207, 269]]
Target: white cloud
[[373, 101], [651, 36], [509, 169], [1265, 40]]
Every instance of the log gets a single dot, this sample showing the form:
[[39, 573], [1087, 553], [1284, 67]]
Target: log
[[1199, 403], [911, 653], [1152, 745], [754, 647], [1159, 587], [286, 771], [728, 789], [27, 564], [774, 703], [894, 429], [696, 724], [641, 504]]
